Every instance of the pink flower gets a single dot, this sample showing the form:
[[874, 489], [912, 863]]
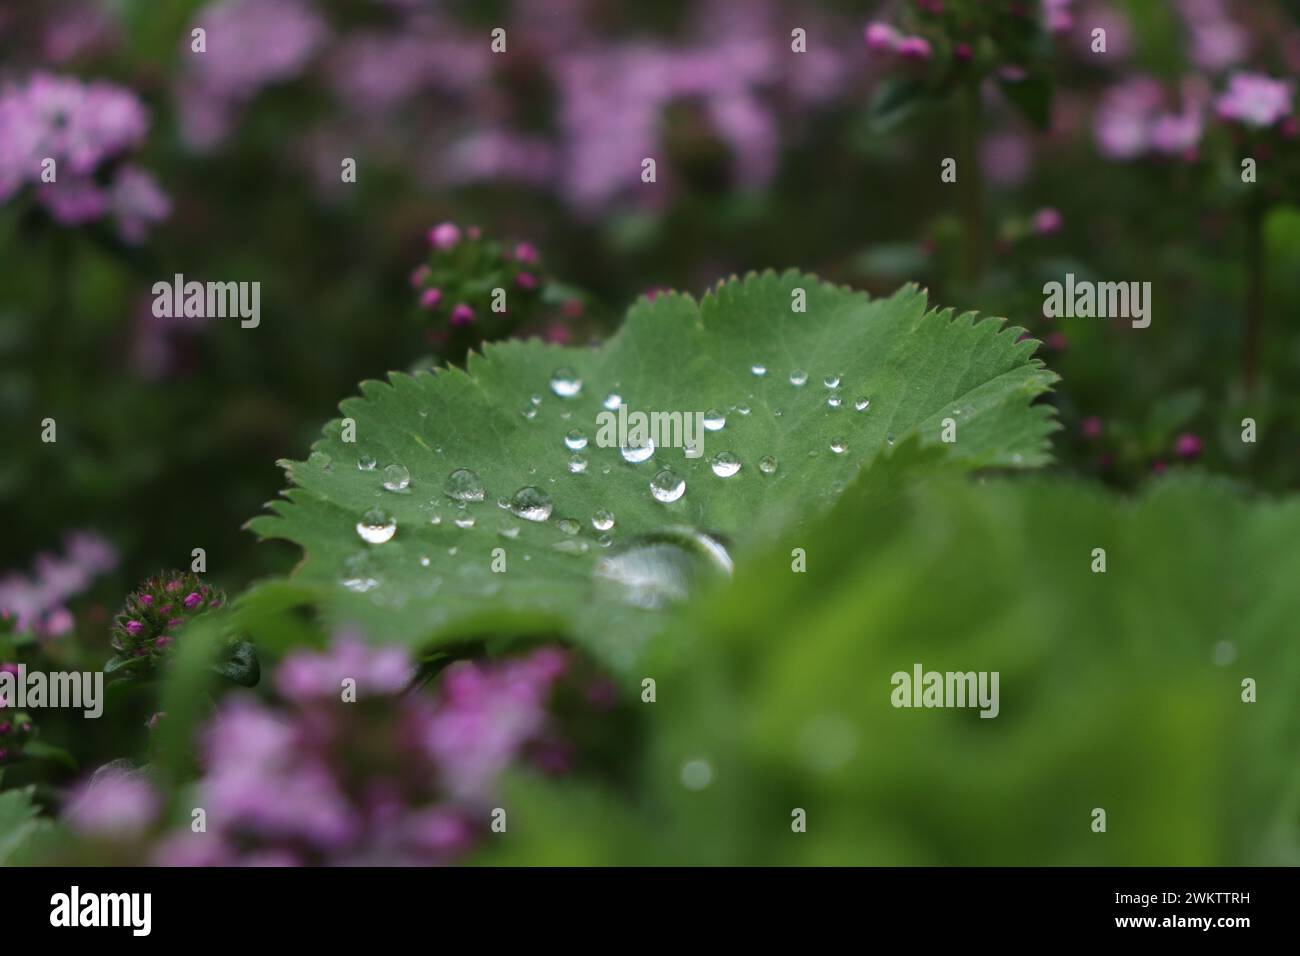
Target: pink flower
[[1091, 427], [962, 52], [527, 252], [193, 599], [1048, 221], [914, 48], [1254, 100], [419, 275], [881, 37], [444, 236], [430, 298], [526, 280], [1188, 446], [462, 314]]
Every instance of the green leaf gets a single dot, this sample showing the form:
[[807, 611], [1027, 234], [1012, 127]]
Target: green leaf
[[894, 100], [18, 821], [41, 750], [501, 419]]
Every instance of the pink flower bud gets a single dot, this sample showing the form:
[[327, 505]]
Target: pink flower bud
[[419, 275], [134, 627], [526, 280], [962, 52], [1188, 446], [462, 315], [193, 599], [1091, 427], [1048, 221], [430, 298], [527, 252]]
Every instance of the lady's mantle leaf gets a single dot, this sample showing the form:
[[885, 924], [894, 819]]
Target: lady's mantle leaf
[[808, 397]]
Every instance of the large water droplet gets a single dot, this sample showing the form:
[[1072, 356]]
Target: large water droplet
[[725, 464], [638, 453], [568, 526], [798, 377], [767, 464], [759, 370], [366, 463], [565, 383], [602, 520], [714, 420], [376, 526], [464, 485], [397, 478], [831, 381], [862, 404], [575, 440], [839, 446], [667, 486], [654, 570], [531, 504], [577, 465], [612, 401], [834, 401], [465, 521]]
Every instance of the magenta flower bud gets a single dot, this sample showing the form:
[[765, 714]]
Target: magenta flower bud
[[430, 298], [146, 599], [444, 235], [1048, 221], [163, 641], [165, 609], [462, 315], [174, 622], [5, 727], [881, 37], [1057, 342], [1091, 427], [963, 52], [914, 48], [527, 252], [526, 280], [1188, 445], [193, 599], [419, 275], [134, 627], [571, 308], [173, 585]]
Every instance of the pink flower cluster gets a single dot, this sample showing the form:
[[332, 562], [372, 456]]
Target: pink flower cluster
[[84, 130], [38, 602], [1133, 119], [1254, 99], [352, 771]]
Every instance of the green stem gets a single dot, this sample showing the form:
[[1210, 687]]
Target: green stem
[[971, 178], [1254, 296]]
